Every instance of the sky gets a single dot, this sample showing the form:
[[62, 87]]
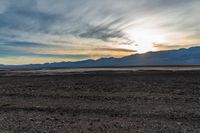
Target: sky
[[41, 31]]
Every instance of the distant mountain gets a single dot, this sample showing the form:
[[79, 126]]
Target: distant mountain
[[2, 66], [190, 56]]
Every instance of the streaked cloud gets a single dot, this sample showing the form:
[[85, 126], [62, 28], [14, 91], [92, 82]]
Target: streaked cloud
[[116, 49], [66, 30]]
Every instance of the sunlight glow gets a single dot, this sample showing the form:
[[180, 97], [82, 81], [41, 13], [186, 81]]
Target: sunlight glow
[[144, 40]]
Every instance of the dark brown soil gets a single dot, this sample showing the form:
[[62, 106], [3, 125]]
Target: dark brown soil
[[101, 102]]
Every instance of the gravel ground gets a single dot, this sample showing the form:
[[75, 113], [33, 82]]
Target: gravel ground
[[101, 102]]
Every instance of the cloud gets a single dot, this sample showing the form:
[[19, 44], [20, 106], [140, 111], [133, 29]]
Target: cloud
[[88, 19], [24, 16], [103, 32], [24, 44], [169, 47], [14, 53], [78, 27], [21, 49], [116, 50], [63, 56]]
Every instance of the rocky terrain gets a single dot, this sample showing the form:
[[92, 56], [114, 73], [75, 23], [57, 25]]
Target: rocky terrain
[[101, 102]]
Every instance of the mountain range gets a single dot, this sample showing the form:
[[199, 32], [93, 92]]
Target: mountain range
[[189, 56]]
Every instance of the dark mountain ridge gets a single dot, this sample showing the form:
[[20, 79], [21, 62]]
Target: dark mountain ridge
[[189, 56]]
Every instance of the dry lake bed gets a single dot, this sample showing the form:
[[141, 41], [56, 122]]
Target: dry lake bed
[[145, 101]]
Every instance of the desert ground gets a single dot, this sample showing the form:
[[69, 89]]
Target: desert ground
[[101, 102]]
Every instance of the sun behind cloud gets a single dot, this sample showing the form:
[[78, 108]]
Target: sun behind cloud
[[144, 38], [40, 31]]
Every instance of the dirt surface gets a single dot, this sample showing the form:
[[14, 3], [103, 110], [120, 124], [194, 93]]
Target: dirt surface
[[101, 102]]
